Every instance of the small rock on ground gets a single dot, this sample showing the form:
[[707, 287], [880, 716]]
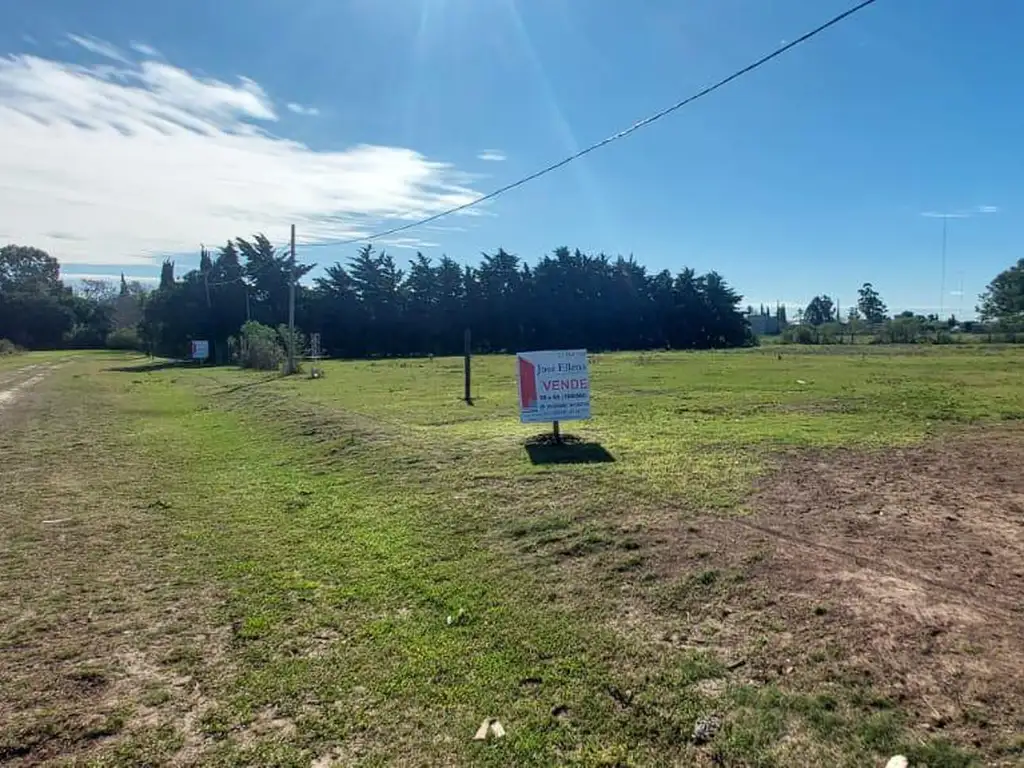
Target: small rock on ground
[[705, 728]]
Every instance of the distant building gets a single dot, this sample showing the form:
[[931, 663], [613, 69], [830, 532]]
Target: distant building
[[764, 325]]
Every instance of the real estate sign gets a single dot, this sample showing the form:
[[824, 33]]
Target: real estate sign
[[200, 350], [553, 385]]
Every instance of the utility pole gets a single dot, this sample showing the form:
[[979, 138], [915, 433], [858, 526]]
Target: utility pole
[[942, 282], [467, 351], [203, 253], [960, 316], [291, 310]]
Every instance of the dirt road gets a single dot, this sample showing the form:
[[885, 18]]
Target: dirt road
[[14, 383]]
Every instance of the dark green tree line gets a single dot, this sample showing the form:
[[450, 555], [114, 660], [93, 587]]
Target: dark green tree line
[[372, 307]]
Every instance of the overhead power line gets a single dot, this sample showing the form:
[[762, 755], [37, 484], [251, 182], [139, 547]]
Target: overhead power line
[[609, 140]]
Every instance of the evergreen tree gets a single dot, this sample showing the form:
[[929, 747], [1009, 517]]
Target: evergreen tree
[[1003, 299], [870, 304], [166, 275], [821, 310]]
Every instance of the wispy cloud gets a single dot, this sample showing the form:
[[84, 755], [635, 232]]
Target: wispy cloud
[[108, 277], [99, 47], [142, 159], [408, 243], [145, 50], [962, 214], [492, 155], [298, 109], [27, 38], [444, 228]]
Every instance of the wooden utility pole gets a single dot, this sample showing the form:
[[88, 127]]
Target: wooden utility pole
[[206, 273], [467, 342], [291, 309]]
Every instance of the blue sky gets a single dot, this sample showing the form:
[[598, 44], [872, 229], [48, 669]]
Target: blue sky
[[129, 129]]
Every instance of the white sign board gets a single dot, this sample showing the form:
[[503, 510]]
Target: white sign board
[[200, 350], [553, 386]]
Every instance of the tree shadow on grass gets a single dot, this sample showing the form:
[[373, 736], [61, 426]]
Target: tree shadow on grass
[[270, 378], [155, 365], [543, 449]]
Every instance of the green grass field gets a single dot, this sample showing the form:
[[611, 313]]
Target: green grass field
[[215, 567]]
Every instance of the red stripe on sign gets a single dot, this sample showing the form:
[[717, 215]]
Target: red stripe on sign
[[527, 384]]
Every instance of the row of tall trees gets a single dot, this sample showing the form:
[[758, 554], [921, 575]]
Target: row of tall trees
[[37, 310], [371, 307]]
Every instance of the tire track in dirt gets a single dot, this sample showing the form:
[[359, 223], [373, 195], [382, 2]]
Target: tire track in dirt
[[11, 391]]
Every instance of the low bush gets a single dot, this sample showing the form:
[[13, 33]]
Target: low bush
[[260, 348], [8, 347], [124, 338], [798, 334]]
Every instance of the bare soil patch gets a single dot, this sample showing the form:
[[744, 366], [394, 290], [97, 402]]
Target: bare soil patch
[[102, 638], [899, 573], [14, 384]]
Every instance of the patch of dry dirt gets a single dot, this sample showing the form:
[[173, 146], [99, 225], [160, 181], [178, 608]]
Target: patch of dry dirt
[[98, 647], [13, 385], [899, 571]]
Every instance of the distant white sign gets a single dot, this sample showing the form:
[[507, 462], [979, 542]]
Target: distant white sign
[[200, 350], [553, 385]]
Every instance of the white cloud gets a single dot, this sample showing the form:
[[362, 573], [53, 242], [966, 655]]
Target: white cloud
[[99, 47], [444, 228], [962, 214], [110, 278], [492, 155], [145, 50], [408, 243], [29, 39], [298, 109], [120, 164]]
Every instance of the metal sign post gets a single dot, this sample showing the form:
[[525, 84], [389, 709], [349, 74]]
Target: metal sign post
[[315, 354]]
